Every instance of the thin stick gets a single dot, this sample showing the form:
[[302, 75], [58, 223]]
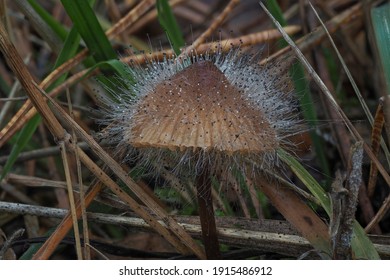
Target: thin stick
[[7, 244], [148, 17], [386, 111], [87, 251], [11, 97], [71, 199], [217, 22], [266, 235], [376, 133], [206, 214], [14, 192], [38, 153], [379, 215]]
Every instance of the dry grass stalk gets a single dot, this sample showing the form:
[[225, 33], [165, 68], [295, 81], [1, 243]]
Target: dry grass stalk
[[76, 231], [376, 137], [383, 210], [87, 253], [216, 23]]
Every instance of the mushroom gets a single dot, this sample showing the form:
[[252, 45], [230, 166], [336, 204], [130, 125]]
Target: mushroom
[[204, 112]]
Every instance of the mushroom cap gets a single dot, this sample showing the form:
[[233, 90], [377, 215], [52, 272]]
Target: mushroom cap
[[198, 108]]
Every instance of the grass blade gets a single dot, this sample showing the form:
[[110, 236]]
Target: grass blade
[[69, 49], [381, 22], [4, 86], [168, 22], [276, 11], [362, 246], [307, 179], [50, 21], [23, 138], [86, 23]]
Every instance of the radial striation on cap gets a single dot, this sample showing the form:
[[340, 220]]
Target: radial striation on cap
[[198, 108]]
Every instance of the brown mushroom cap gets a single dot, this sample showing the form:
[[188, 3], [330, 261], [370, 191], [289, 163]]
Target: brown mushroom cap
[[198, 108]]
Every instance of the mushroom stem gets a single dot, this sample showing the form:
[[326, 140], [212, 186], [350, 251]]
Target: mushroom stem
[[206, 213]]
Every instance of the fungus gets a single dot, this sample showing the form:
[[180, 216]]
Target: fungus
[[203, 113]]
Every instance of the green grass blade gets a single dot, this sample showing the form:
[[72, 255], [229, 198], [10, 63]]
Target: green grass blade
[[334, 75], [168, 22], [87, 24], [55, 25], [276, 11], [302, 89], [22, 140], [30, 252], [361, 245], [85, 21], [70, 48], [381, 22], [307, 179], [4, 87], [121, 79], [301, 85]]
